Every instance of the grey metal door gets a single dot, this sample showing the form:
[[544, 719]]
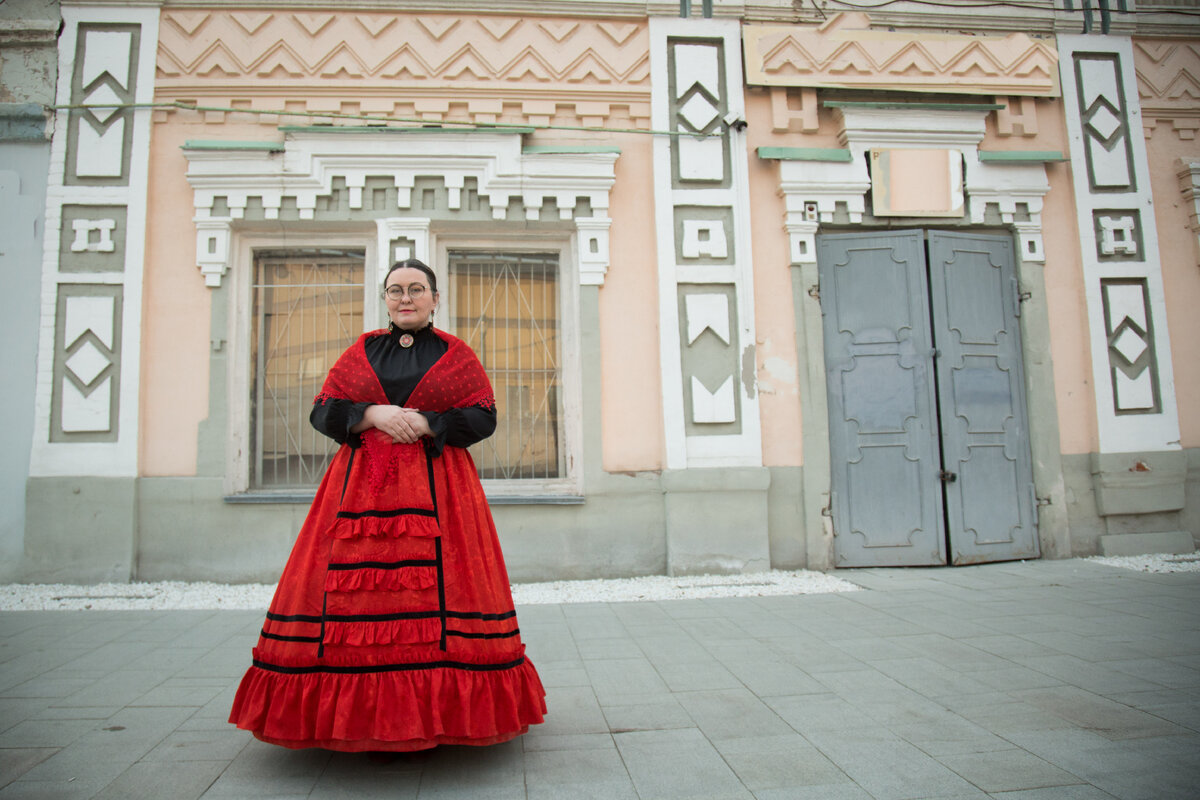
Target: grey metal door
[[928, 431], [990, 503], [886, 500]]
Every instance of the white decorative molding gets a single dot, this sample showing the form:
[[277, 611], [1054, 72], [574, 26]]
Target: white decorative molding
[[83, 235], [1017, 191], [1131, 352], [704, 237], [311, 161], [701, 186], [592, 245], [415, 229], [1118, 234], [713, 407], [707, 312], [89, 340]]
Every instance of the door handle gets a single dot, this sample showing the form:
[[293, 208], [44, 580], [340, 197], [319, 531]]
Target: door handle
[[945, 476]]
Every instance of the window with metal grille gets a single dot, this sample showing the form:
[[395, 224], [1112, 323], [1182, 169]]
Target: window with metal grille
[[308, 307], [505, 306]]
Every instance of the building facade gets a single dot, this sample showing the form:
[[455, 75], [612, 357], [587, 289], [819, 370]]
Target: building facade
[[757, 285]]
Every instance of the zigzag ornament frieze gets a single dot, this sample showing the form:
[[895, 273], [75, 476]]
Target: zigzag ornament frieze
[[264, 56], [845, 53], [1168, 80]]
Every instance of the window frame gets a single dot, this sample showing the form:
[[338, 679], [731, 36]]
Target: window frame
[[239, 452], [240, 308], [563, 245]]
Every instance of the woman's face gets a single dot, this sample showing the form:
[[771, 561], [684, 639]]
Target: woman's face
[[408, 313]]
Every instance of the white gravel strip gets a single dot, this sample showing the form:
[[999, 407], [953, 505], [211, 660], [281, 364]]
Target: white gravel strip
[[1155, 562], [170, 595]]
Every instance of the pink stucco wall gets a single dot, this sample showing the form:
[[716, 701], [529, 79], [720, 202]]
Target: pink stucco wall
[[631, 397]]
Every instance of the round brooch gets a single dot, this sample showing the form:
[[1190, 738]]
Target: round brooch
[[406, 340]]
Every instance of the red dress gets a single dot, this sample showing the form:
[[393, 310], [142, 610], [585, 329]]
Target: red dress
[[393, 625]]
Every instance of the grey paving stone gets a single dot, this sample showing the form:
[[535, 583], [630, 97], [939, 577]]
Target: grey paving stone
[[16, 761], [221, 745], [1079, 792], [45, 732], [457, 772], [1007, 770], [18, 709], [732, 714], [78, 712], [950, 734], [817, 712], [193, 696], [568, 741], [37, 686], [656, 714], [677, 764], [615, 680], [266, 771], [778, 762], [765, 672], [116, 688], [573, 709], [929, 678], [1095, 713], [839, 791], [163, 781], [367, 786], [1160, 671], [1185, 715], [577, 773], [564, 673], [51, 790], [601, 649], [1005, 715], [700, 675], [1014, 677], [888, 767]]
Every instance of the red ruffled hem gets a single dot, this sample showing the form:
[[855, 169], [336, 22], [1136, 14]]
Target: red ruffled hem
[[374, 745], [399, 710], [380, 579], [391, 527], [395, 631]]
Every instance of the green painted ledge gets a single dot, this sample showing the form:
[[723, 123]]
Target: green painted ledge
[[804, 154], [205, 144], [563, 149], [913, 106], [1020, 156], [390, 130]]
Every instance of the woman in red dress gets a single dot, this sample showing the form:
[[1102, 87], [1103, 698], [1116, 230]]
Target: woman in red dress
[[393, 626]]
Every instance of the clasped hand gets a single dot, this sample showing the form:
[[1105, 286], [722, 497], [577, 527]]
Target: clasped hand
[[404, 425]]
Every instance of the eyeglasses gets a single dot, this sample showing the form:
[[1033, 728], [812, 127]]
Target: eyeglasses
[[396, 292]]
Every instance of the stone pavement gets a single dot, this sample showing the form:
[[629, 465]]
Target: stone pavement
[[1032, 680]]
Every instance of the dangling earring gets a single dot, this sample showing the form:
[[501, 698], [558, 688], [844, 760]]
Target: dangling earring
[[391, 326]]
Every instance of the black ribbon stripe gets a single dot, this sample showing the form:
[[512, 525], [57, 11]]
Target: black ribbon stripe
[[479, 615], [365, 669], [391, 512], [412, 562], [466, 635], [278, 638], [293, 617]]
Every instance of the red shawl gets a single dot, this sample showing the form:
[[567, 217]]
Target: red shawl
[[456, 380]]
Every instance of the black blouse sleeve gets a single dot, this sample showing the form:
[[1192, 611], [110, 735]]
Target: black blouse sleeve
[[458, 427], [335, 418]]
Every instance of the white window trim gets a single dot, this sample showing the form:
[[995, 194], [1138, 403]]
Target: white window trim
[[239, 451], [564, 245]]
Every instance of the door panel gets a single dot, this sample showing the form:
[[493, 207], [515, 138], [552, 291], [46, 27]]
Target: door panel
[[989, 506], [886, 500]]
